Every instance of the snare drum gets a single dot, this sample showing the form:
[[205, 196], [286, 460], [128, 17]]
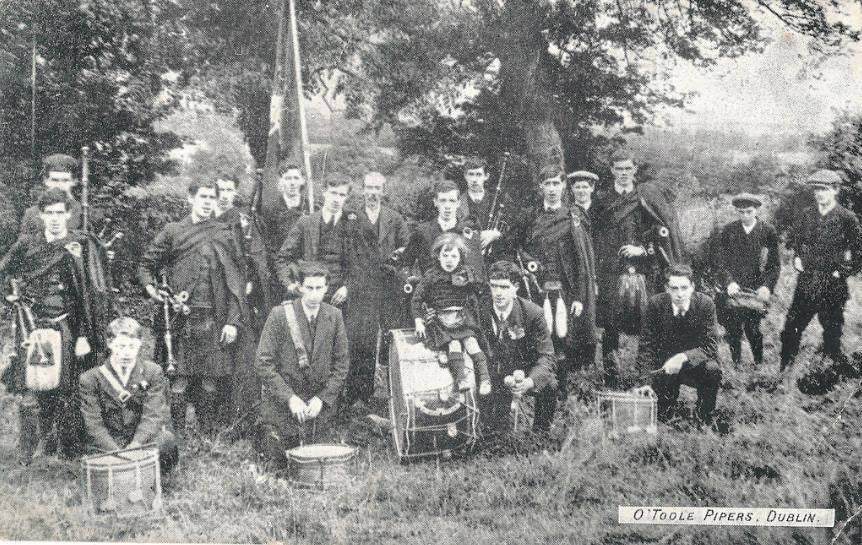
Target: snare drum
[[125, 483], [624, 413], [319, 466], [428, 418]]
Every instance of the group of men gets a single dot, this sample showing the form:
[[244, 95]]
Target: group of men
[[284, 314]]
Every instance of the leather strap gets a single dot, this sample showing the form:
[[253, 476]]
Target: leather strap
[[295, 335], [122, 394]]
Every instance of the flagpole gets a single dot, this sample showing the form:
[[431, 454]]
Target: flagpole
[[303, 131]]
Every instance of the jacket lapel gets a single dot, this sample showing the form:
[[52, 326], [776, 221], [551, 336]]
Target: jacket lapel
[[323, 318], [314, 236], [385, 219]]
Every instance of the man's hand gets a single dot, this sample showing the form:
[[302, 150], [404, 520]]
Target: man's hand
[[732, 289], [577, 308], [228, 334], [763, 293], [419, 324], [488, 236], [154, 294], [630, 250], [521, 388], [643, 391], [297, 407], [313, 408], [82, 347], [674, 363], [797, 264], [339, 296]]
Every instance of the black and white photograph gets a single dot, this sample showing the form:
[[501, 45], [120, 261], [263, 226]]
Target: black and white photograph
[[431, 271]]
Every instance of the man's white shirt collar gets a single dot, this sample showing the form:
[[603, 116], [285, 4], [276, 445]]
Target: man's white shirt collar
[[310, 315], [291, 203], [683, 309], [824, 211], [373, 214], [327, 216], [549, 208], [449, 225], [749, 229], [623, 190], [51, 238], [506, 312], [476, 197]]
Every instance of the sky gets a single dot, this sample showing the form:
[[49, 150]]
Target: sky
[[775, 91]]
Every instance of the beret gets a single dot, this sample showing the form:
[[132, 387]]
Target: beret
[[59, 162], [824, 177], [744, 200], [582, 175]]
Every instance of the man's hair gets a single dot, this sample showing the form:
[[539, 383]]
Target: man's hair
[[308, 269], [337, 180], [447, 241], [284, 167], [505, 270], [445, 186], [475, 163], [550, 171], [194, 187], [621, 155], [59, 162], [124, 326], [679, 269], [374, 175], [53, 196], [229, 177]]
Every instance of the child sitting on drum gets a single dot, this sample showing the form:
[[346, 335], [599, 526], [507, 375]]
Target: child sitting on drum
[[446, 308]]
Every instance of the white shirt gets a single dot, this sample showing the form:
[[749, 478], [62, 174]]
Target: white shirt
[[51, 238], [124, 375], [683, 310], [373, 214], [447, 226], [549, 208], [823, 211], [502, 315], [310, 314], [328, 217], [291, 203], [476, 197], [748, 230], [585, 206], [623, 190]]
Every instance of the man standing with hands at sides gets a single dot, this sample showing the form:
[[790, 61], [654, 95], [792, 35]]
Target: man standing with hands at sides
[[828, 245], [58, 172], [518, 338], [557, 243], [418, 251], [385, 230], [747, 260], [475, 204], [198, 256], [302, 363], [679, 345], [636, 237]]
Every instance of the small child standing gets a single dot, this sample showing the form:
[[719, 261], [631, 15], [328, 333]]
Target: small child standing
[[446, 307]]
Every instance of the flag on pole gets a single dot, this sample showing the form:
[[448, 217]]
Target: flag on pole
[[287, 141]]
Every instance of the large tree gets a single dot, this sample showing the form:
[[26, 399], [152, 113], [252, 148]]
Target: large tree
[[531, 76]]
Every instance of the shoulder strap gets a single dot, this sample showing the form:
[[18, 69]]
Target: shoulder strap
[[295, 335], [122, 394]]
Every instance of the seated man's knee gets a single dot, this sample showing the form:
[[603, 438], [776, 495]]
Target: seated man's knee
[[471, 345], [454, 346]]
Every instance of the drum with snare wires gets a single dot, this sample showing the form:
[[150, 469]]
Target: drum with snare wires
[[428, 417], [321, 465], [124, 483]]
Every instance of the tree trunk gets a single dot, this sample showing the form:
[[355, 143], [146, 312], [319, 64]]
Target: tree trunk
[[524, 85]]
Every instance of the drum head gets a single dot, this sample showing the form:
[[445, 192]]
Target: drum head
[[320, 451], [119, 458]]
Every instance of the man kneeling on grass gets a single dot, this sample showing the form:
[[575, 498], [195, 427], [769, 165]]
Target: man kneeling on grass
[[302, 363], [124, 400], [679, 345]]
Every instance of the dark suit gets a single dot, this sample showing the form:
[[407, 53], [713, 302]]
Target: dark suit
[[523, 342], [751, 260], [278, 368], [664, 335], [386, 235], [144, 418]]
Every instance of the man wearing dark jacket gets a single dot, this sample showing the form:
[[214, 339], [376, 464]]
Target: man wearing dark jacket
[[302, 363], [635, 236], [124, 400], [518, 338], [679, 345], [747, 260], [828, 245]]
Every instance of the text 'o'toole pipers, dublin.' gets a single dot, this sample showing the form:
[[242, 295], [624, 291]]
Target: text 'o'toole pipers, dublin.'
[[278, 315]]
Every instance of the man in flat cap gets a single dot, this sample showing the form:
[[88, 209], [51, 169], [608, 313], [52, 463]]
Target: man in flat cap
[[828, 245], [582, 183], [58, 172], [747, 264]]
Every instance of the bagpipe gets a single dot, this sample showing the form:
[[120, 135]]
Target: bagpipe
[[105, 241], [550, 292], [42, 346], [173, 305], [495, 212]]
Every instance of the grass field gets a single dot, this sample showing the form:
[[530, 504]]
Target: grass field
[[781, 451]]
